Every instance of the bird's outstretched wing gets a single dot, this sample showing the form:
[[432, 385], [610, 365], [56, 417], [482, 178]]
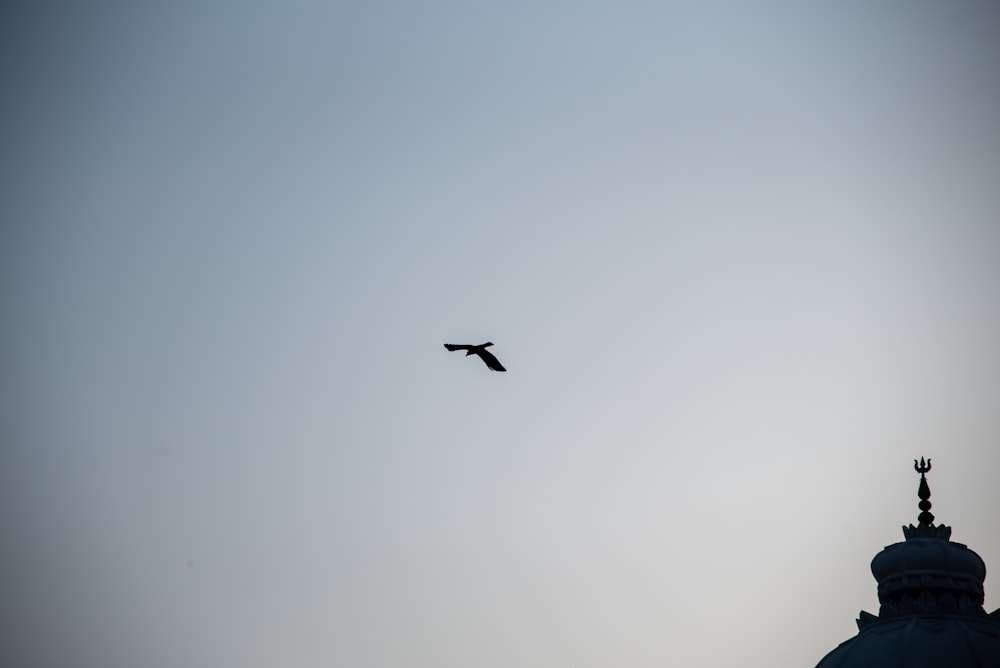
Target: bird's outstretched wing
[[491, 361]]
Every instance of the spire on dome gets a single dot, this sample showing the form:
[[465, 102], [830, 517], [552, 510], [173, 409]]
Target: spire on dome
[[925, 520], [924, 492]]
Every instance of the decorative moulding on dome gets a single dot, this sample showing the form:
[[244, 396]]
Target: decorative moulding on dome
[[866, 619], [940, 531]]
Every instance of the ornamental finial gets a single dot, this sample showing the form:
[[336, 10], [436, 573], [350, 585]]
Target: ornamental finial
[[924, 492]]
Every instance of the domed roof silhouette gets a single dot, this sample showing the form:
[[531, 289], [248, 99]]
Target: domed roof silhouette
[[931, 595]]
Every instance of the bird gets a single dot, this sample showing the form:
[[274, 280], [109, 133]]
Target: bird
[[487, 357]]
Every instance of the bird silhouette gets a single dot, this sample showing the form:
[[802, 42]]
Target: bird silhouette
[[485, 355]]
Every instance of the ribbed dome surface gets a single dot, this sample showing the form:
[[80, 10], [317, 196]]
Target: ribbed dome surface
[[928, 555], [932, 575], [921, 642]]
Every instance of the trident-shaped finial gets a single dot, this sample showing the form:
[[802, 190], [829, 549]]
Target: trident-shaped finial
[[923, 467], [924, 492]]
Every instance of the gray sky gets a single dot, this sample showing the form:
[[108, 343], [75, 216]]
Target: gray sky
[[742, 261]]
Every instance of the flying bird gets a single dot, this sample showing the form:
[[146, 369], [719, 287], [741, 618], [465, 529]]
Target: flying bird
[[487, 357]]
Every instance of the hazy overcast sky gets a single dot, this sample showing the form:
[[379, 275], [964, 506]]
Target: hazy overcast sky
[[741, 259]]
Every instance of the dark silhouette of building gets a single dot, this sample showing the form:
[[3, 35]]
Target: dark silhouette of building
[[931, 595]]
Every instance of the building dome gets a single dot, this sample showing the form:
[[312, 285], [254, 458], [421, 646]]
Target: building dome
[[921, 641], [931, 614]]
